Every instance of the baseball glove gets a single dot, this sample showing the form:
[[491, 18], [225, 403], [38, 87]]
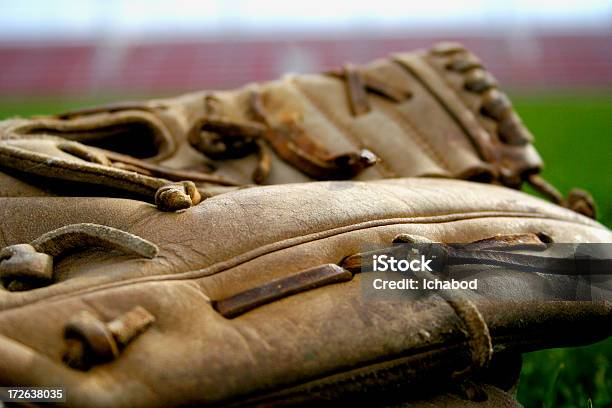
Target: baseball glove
[[255, 297], [434, 113]]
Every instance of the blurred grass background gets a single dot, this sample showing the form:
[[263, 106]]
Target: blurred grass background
[[574, 136]]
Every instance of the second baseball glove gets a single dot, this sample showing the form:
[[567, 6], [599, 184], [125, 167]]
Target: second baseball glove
[[435, 113]]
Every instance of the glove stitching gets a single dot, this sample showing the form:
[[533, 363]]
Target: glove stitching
[[467, 123], [409, 128], [244, 257], [382, 168]]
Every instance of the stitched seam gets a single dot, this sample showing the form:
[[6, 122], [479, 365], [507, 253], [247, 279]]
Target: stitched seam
[[339, 126], [475, 144], [427, 148], [450, 86], [421, 141], [234, 261]]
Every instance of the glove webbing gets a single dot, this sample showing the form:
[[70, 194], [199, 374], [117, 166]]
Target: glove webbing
[[220, 138]]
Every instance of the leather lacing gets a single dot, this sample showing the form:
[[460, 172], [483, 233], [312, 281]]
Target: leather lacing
[[91, 341], [496, 106], [221, 138], [577, 200], [476, 329], [28, 266], [495, 251], [359, 83], [499, 250], [101, 170]]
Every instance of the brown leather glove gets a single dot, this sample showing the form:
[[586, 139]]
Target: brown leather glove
[[255, 297], [426, 113]]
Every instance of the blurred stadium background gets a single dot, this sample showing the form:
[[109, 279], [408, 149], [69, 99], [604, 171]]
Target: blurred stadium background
[[554, 58], [81, 47]]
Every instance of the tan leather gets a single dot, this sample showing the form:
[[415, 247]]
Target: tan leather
[[430, 112], [174, 348], [495, 398], [241, 295]]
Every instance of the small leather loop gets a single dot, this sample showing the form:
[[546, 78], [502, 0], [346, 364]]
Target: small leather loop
[[463, 63], [479, 338], [75, 236], [177, 196], [293, 145], [27, 266], [91, 341], [479, 80], [22, 261], [581, 202], [356, 91], [495, 104], [475, 326], [578, 200], [264, 163], [98, 344], [545, 188], [512, 131], [221, 138], [476, 329], [446, 48], [128, 326]]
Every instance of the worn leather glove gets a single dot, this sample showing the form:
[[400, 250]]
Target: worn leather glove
[[256, 296], [426, 113]]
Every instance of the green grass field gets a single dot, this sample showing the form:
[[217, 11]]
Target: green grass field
[[574, 136]]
